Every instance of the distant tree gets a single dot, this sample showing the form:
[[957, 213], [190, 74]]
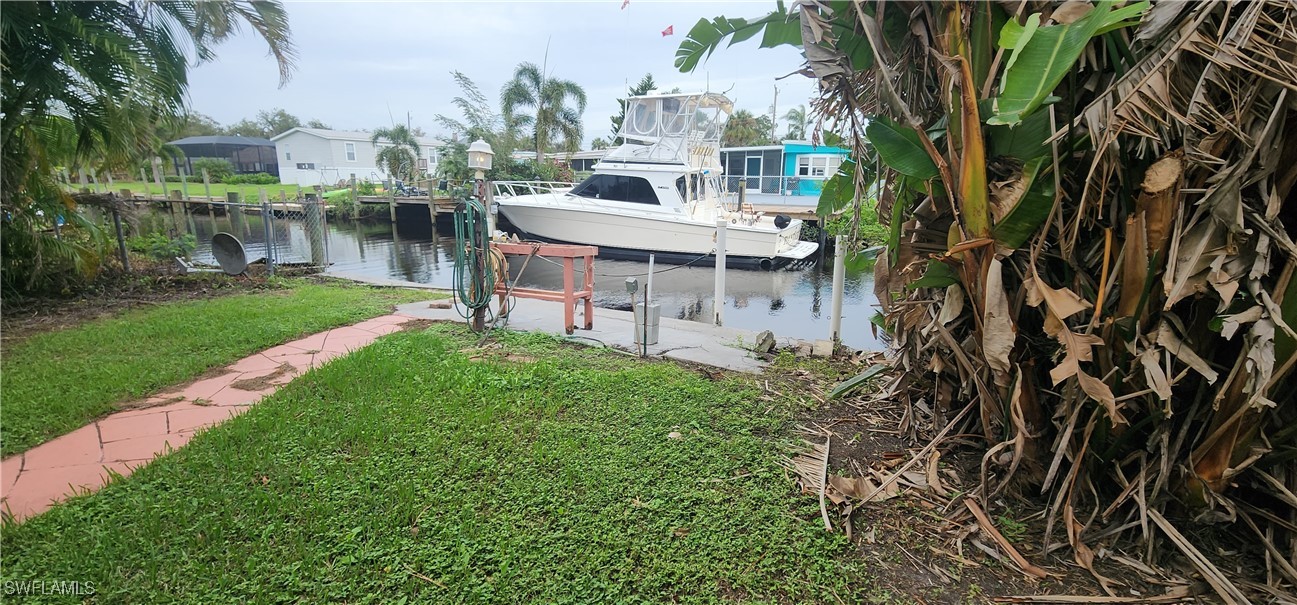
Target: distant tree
[[318, 124], [645, 84], [480, 121], [556, 106], [192, 125], [245, 128], [276, 121], [599, 143], [746, 130], [399, 158], [797, 122]]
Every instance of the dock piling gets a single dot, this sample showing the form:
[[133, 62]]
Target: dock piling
[[839, 276], [238, 222], [718, 304], [313, 210]]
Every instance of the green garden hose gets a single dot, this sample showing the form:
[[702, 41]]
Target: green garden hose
[[474, 274]]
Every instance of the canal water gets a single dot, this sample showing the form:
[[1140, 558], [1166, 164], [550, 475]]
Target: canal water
[[789, 302]]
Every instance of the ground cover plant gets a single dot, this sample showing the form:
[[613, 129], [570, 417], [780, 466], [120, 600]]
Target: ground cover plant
[[57, 381], [424, 468]]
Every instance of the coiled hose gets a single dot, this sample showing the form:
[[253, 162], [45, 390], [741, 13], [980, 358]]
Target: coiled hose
[[475, 274]]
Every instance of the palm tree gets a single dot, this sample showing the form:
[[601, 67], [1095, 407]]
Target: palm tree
[[743, 130], [399, 158], [599, 143], [551, 115], [797, 122], [90, 82]]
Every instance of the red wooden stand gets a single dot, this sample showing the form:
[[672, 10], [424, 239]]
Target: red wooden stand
[[569, 295]]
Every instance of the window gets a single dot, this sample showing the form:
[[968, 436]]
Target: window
[[618, 188], [306, 165], [351, 152], [818, 165], [289, 155], [696, 185]]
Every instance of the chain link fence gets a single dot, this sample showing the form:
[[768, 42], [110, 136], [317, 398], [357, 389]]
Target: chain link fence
[[282, 234]]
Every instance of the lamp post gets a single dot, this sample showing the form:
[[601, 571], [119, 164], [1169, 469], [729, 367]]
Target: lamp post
[[479, 159]]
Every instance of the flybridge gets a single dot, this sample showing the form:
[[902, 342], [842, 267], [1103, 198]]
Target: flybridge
[[678, 128]]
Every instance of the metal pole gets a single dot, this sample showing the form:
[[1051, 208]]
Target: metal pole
[[839, 275], [718, 304], [121, 240], [265, 222]]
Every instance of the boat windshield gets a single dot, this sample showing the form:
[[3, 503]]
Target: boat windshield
[[617, 188]]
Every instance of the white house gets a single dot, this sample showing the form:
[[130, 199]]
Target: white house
[[315, 156]]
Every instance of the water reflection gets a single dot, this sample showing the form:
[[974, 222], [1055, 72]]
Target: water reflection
[[790, 302]]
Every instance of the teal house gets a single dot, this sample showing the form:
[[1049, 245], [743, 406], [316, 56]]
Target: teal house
[[794, 169]]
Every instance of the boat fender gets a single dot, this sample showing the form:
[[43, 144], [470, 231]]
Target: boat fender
[[782, 220]]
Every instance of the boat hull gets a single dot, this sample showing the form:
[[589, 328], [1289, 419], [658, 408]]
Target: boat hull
[[630, 235]]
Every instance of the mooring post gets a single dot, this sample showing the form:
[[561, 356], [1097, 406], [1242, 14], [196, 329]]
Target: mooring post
[[207, 184], [184, 184], [83, 181], [718, 304], [355, 196], [312, 210], [265, 223], [234, 210], [839, 276], [111, 184], [94, 179], [822, 227], [121, 239], [391, 201], [157, 177]]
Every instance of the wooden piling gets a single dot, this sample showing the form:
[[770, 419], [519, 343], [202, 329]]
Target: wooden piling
[[355, 197], [238, 222], [184, 185], [207, 184], [312, 210]]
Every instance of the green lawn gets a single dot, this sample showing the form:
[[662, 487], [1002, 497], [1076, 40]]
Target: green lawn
[[58, 381], [247, 193], [410, 472]]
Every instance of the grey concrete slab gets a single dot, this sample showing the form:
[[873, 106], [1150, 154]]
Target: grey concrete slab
[[677, 338]]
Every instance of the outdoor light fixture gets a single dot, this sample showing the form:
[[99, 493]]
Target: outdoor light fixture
[[479, 156]]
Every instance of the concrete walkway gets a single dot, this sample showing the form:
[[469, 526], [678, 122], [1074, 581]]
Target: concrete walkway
[[677, 338], [80, 461]]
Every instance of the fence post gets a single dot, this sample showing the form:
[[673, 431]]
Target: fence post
[[265, 222], [355, 197], [718, 305], [238, 222], [391, 202], [839, 276], [157, 177], [315, 228], [121, 240]]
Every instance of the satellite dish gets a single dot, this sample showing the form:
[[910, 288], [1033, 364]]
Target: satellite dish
[[229, 253]]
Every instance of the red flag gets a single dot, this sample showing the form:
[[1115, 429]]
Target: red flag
[[624, 4], [670, 30]]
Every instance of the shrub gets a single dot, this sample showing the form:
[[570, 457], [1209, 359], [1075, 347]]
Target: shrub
[[367, 187], [159, 246], [218, 169], [260, 178]]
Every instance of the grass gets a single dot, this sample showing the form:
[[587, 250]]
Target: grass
[[247, 193], [411, 472], [58, 381]]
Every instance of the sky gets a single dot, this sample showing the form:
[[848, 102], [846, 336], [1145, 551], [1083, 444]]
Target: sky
[[365, 65]]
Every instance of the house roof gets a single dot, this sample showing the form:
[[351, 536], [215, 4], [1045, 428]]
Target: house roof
[[224, 140], [349, 135]]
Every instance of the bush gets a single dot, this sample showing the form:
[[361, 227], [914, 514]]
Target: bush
[[367, 187], [160, 247], [260, 178], [218, 169]]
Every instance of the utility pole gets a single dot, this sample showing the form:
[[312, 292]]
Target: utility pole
[[774, 116]]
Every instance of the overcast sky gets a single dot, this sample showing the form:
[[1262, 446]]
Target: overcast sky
[[364, 64]]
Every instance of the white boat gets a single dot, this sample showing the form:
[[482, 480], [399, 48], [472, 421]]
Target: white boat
[[661, 191]]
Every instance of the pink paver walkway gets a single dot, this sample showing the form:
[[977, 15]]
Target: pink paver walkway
[[80, 461]]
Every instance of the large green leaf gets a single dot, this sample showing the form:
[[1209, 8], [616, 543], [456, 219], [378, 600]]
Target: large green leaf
[[1042, 56], [856, 381], [777, 28], [1031, 210], [1025, 141], [900, 148], [839, 190], [938, 275]]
